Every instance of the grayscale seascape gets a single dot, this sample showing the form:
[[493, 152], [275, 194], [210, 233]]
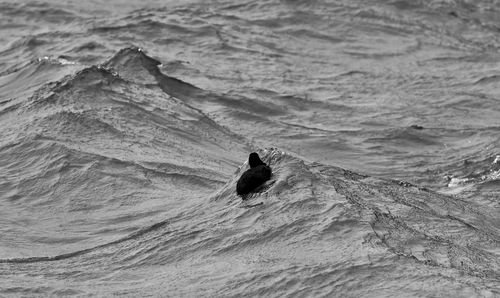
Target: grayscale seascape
[[125, 125]]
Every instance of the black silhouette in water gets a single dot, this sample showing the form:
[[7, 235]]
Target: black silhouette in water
[[258, 173]]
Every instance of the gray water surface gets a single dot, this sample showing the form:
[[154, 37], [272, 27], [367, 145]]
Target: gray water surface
[[125, 125]]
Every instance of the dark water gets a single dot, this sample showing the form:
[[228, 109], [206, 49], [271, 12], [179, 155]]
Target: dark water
[[125, 126]]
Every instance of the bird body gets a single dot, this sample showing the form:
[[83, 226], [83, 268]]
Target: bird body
[[252, 178]]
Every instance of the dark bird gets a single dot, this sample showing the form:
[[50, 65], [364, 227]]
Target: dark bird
[[258, 173]]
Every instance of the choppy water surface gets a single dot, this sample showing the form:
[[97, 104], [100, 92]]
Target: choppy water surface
[[125, 126]]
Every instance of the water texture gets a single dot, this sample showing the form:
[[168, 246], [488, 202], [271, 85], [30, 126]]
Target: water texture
[[124, 126]]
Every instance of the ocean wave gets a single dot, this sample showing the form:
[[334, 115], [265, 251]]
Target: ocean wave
[[118, 164], [306, 204], [105, 137]]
